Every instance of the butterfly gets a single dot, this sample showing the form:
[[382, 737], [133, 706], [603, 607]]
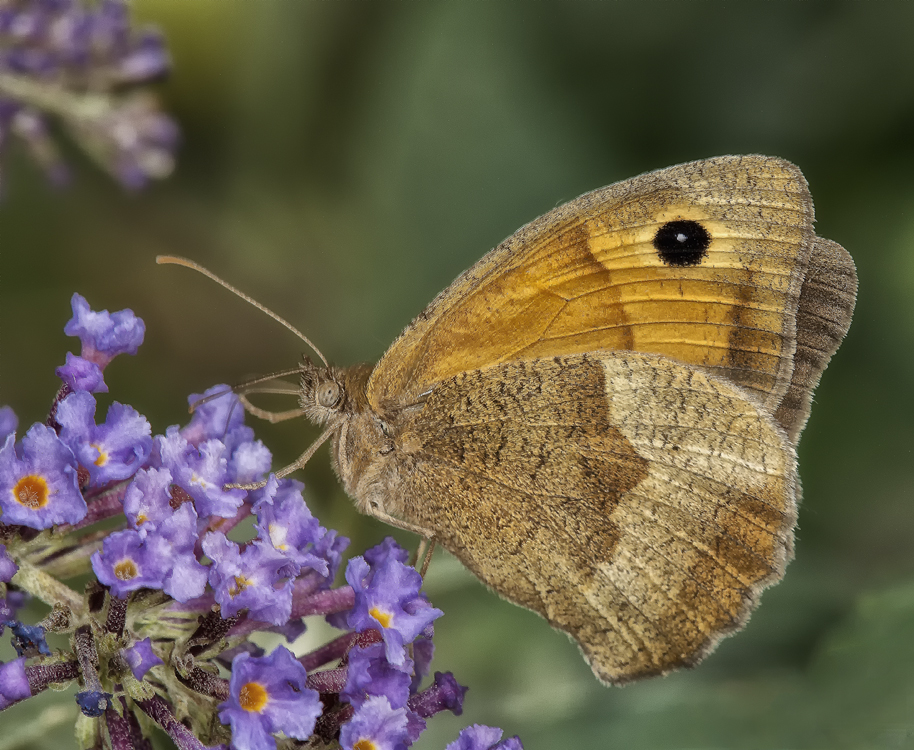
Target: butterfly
[[599, 418]]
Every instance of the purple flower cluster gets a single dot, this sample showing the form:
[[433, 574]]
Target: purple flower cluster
[[79, 63], [180, 588]]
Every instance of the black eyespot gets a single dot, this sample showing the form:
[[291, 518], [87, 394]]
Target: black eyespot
[[682, 243]]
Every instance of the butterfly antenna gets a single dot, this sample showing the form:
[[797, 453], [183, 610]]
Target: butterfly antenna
[[176, 261]]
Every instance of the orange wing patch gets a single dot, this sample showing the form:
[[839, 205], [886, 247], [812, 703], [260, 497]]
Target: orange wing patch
[[589, 276]]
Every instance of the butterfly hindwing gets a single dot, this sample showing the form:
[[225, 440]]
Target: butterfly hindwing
[[634, 502]]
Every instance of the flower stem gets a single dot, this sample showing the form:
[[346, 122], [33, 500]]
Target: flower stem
[[47, 588]]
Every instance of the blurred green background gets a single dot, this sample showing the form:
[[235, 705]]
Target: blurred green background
[[344, 161]]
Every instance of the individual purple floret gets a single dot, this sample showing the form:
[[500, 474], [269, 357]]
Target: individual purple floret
[[104, 335], [8, 566], [162, 559], [110, 451], [388, 549], [248, 463], [268, 695], [82, 375], [257, 578], [140, 657], [38, 481], [14, 685], [446, 694], [147, 501], [371, 674], [71, 61], [185, 578], [285, 522], [481, 737], [217, 413], [201, 472], [129, 562], [376, 725], [386, 596], [8, 422]]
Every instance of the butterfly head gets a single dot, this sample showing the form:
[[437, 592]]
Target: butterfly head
[[326, 392]]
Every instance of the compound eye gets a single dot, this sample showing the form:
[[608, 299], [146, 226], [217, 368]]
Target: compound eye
[[328, 394]]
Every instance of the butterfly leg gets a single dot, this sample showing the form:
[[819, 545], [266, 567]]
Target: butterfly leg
[[399, 523], [270, 416], [424, 552]]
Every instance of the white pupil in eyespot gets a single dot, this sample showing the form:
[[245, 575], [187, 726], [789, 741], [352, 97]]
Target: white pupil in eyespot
[[681, 237]]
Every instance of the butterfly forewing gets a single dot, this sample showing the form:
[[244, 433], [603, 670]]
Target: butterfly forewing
[[594, 274]]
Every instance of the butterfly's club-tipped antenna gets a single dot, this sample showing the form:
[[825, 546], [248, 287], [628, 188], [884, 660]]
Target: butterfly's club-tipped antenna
[[176, 261]]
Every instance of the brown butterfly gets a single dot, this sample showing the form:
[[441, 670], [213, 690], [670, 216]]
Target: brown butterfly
[[599, 417]]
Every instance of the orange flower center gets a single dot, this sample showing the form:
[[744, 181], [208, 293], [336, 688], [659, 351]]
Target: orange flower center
[[252, 697], [125, 570], [364, 745], [382, 617], [102, 456], [32, 492], [241, 583]]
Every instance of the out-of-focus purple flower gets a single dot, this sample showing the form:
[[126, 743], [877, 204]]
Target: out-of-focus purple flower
[[104, 335], [8, 422], [140, 657], [72, 61], [481, 737], [375, 725], [386, 597], [8, 566], [201, 472], [38, 483], [82, 375], [285, 522], [370, 673], [257, 578], [14, 685], [268, 695], [133, 139], [29, 640], [111, 451]]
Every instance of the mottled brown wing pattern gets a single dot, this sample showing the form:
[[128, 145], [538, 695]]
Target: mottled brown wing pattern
[[824, 314], [637, 504]]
